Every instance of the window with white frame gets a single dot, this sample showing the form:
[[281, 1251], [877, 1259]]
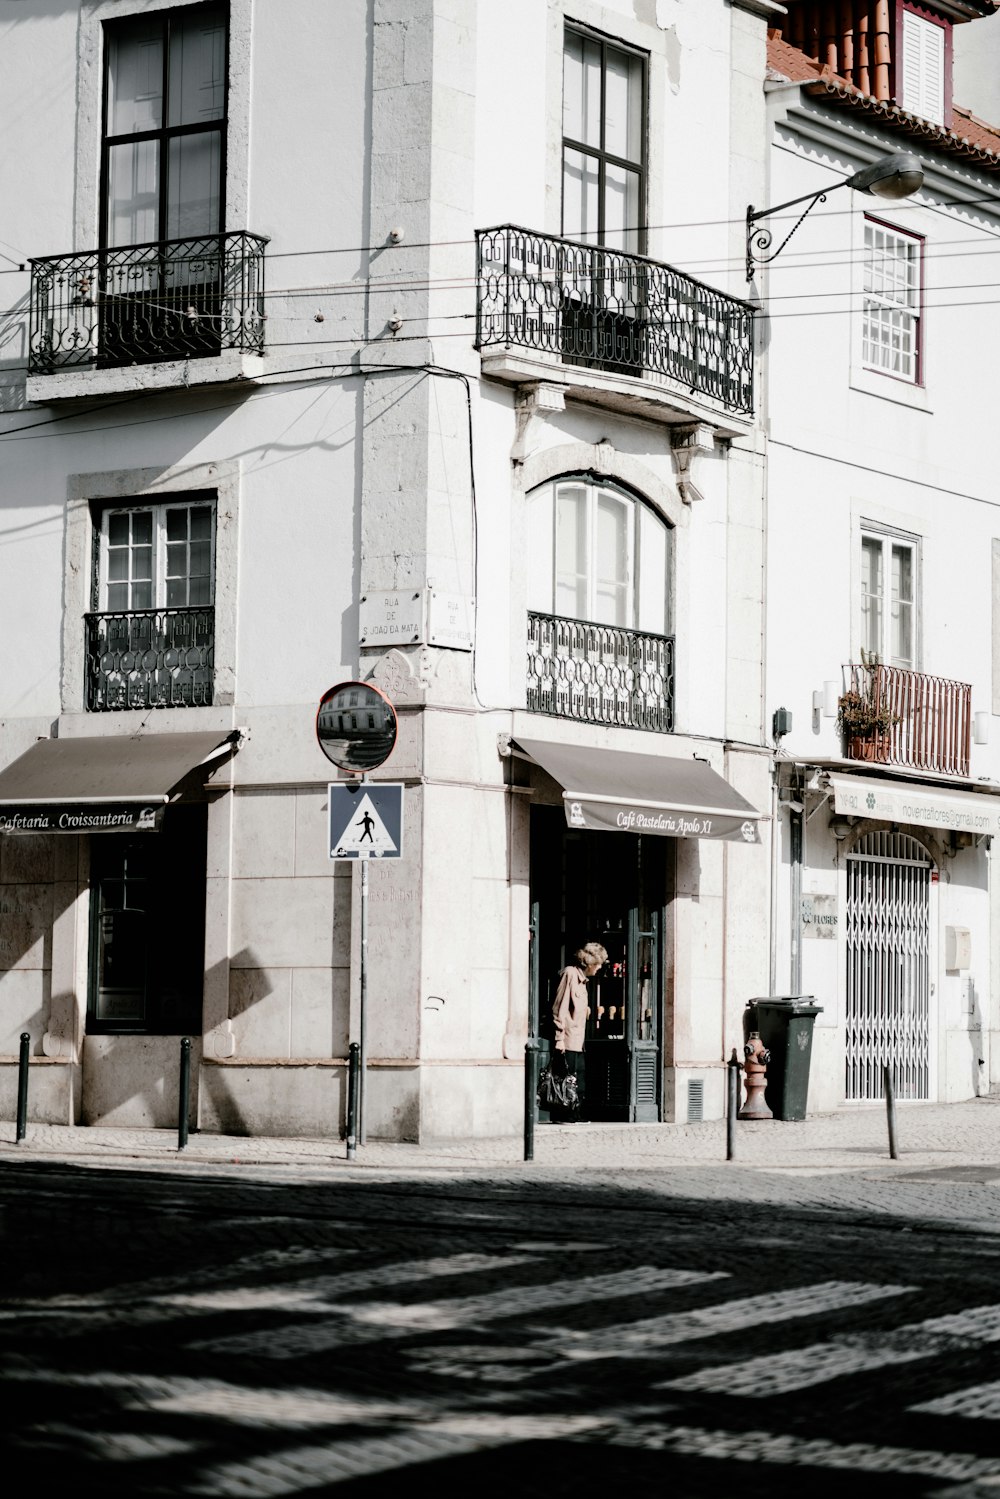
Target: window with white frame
[[888, 598], [921, 76], [157, 556], [890, 340], [598, 553], [151, 633]]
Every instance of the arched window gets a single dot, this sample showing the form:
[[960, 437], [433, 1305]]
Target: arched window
[[596, 552]]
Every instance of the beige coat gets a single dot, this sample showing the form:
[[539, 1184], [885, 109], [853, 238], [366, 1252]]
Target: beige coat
[[570, 1009]]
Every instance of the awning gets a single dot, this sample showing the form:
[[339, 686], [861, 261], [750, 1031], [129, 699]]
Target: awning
[[624, 793], [921, 805], [110, 784]]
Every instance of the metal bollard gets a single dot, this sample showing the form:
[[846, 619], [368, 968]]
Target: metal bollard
[[22, 1089], [890, 1110], [183, 1102], [530, 1090], [732, 1103], [353, 1076]]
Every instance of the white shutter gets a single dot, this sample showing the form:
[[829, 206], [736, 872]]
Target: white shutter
[[922, 68]]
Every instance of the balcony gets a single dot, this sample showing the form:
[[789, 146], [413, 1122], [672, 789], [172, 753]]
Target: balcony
[[600, 673], [908, 718], [150, 658], [580, 306], [179, 299]]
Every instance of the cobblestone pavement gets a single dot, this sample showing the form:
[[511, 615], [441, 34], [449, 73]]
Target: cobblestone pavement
[[254, 1318]]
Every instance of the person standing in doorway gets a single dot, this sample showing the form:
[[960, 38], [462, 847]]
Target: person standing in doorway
[[570, 1009]]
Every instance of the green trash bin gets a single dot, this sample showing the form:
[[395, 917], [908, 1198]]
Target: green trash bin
[[785, 1026]]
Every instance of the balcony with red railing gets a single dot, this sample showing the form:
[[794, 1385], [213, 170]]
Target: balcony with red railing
[[892, 716]]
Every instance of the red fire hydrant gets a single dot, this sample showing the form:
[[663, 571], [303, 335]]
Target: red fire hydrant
[[755, 1073]]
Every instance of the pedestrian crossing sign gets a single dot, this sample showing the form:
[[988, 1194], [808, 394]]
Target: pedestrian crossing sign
[[366, 820]]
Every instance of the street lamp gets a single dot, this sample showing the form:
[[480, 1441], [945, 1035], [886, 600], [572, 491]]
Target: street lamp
[[896, 176]]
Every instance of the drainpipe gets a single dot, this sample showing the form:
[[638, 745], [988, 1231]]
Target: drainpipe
[[796, 823]]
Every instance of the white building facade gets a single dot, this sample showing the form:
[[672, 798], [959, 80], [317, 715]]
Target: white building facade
[[883, 549], [405, 344]]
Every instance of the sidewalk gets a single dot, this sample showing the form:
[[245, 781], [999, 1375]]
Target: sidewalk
[[930, 1137]]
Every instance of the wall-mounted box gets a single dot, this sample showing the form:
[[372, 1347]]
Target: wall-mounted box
[[957, 948]]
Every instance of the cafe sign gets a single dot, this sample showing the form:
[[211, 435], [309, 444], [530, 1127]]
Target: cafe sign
[[89, 817]]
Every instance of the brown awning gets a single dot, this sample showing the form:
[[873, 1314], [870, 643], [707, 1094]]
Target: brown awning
[[111, 783], [652, 794]]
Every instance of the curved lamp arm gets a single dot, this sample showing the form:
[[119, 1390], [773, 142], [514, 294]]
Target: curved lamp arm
[[898, 175]]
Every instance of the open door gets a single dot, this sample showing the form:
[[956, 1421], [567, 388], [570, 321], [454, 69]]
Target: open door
[[610, 888]]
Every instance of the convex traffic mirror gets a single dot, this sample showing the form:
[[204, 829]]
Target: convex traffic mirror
[[356, 726]]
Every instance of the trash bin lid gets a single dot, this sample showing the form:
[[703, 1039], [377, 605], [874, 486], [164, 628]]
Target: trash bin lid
[[794, 1004]]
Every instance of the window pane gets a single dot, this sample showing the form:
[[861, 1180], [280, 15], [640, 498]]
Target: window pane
[[135, 78], [200, 560], [612, 561], [142, 562], [118, 599], [623, 106], [621, 209], [582, 90], [197, 68], [571, 551], [142, 596], [177, 591], [177, 523], [117, 563], [193, 185], [142, 526], [580, 195], [118, 529], [902, 606], [201, 520], [177, 559], [871, 595], [199, 591], [654, 538], [133, 193], [540, 579]]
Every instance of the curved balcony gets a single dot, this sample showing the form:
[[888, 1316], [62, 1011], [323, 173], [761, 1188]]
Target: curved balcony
[[588, 306]]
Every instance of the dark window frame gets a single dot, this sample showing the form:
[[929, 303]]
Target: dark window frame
[[165, 133], [605, 158]]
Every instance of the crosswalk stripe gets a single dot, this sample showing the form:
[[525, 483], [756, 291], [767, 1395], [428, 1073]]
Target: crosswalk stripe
[[370, 1322], [636, 1338], [978, 1402], [79, 1317], [851, 1353]]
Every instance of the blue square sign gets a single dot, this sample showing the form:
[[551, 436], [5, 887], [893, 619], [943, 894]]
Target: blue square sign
[[366, 819]]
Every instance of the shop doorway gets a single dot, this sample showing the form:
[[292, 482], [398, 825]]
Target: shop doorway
[[888, 999], [611, 888], [147, 928]]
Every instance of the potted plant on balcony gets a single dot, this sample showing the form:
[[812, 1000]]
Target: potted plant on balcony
[[865, 721]]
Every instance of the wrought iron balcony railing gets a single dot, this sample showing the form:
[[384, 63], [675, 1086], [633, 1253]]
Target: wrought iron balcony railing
[[908, 718], [150, 658], [605, 309], [146, 304], [600, 673]]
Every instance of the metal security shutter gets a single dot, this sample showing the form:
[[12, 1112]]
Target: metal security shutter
[[888, 967]]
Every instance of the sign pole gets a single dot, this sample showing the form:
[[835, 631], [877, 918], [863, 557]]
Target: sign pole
[[356, 727], [363, 1006]]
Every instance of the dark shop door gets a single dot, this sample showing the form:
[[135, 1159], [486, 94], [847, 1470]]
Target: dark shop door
[[609, 888]]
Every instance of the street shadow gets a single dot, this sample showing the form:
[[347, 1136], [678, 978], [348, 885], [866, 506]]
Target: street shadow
[[220, 1335]]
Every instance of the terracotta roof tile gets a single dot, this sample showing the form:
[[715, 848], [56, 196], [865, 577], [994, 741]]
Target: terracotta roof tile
[[968, 136]]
